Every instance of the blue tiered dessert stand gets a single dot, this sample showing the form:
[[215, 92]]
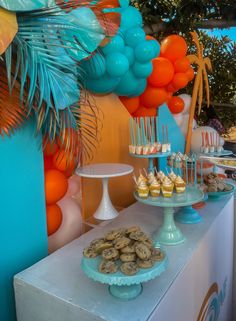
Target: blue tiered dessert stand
[[169, 233], [122, 286]]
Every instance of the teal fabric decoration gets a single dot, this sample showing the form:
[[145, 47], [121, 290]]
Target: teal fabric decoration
[[26, 5]]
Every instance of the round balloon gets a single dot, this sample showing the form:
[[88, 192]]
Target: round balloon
[[142, 70], [196, 140], [115, 45], [63, 161], [48, 163], [142, 84], [180, 80], [156, 45], [117, 64], [144, 51], [182, 65], [71, 227], [163, 72], [174, 47], [127, 84], [129, 53], [95, 67], [103, 85], [190, 74], [134, 36], [73, 186], [153, 97], [176, 105], [145, 112], [131, 104], [55, 186], [54, 218], [130, 18]]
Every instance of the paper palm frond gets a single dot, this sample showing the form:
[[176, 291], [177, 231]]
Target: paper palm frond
[[8, 29]]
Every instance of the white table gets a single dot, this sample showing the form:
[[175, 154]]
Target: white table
[[56, 289], [105, 211]]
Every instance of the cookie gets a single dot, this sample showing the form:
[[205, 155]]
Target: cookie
[[142, 251], [128, 249], [148, 243], [129, 268], [100, 247], [97, 242], [138, 236], [108, 267], [112, 235], [145, 264], [110, 254], [89, 252], [157, 255], [132, 229], [128, 257], [121, 242]]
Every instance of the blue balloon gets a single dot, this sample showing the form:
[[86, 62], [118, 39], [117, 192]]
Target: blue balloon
[[117, 64], [156, 47], [115, 45], [103, 85], [134, 36], [140, 88], [95, 67], [142, 70], [131, 18], [127, 84], [144, 52], [129, 53]]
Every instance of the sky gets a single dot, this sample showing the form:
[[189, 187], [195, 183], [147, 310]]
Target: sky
[[231, 33]]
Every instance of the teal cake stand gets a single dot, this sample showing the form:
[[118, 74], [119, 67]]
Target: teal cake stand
[[122, 286], [169, 233], [151, 158]]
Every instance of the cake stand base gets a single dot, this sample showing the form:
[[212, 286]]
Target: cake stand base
[[126, 293], [169, 233], [188, 215]]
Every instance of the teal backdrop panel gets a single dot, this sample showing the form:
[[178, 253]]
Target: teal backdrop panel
[[23, 237], [176, 138]]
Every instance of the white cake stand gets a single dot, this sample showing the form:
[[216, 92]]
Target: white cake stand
[[106, 210]]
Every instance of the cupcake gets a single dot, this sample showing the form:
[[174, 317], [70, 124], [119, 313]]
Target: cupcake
[[167, 187], [142, 189], [150, 177], [141, 178], [172, 176], [155, 188], [161, 176], [180, 185]]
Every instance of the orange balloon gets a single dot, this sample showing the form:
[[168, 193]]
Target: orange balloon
[[171, 88], [131, 104], [182, 65], [55, 186], [176, 105], [145, 112], [190, 74], [148, 37], [180, 80], [153, 97], [54, 218], [169, 95], [48, 164], [49, 148], [162, 74], [62, 161], [173, 47]]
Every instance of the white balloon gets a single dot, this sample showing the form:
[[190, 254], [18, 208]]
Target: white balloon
[[73, 186], [178, 119], [71, 226], [196, 141], [187, 102], [184, 126]]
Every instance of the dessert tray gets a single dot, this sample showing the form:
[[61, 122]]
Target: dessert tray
[[218, 194], [169, 233], [122, 286]]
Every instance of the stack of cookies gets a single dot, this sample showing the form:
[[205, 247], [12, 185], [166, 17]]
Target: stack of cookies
[[124, 249]]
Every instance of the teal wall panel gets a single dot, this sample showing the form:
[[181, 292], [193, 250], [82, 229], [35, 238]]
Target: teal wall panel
[[23, 237]]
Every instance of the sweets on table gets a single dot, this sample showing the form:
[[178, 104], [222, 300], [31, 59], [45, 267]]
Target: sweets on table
[[215, 183], [130, 249], [167, 187], [180, 184]]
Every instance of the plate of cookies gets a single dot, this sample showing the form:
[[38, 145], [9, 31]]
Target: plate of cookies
[[123, 257], [216, 186]]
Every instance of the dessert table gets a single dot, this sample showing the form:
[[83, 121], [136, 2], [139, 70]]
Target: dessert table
[[196, 285]]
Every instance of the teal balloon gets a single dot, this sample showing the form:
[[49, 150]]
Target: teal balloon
[[115, 45], [140, 88], [117, 64], [127, 85], [142, 70], [95, 67], [103, 85], [134, 36], [144, 52], [156, 47], [129, 53], [131, 18]]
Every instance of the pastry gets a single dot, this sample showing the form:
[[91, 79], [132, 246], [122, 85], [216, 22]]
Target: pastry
[[180, 185], [172, 176], [112, 235], [142, 189], [138, 236], [157, 255], [161, 176], [132, 229], [121, 242], [167, 187], [129, 268], [145, 264], [150, 178], [100, 247], [97, 242], [148, 243], [89, 252], [110, 254], [142, 251], [128, 249], [155, 188], [128, 257], [108, 267]]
